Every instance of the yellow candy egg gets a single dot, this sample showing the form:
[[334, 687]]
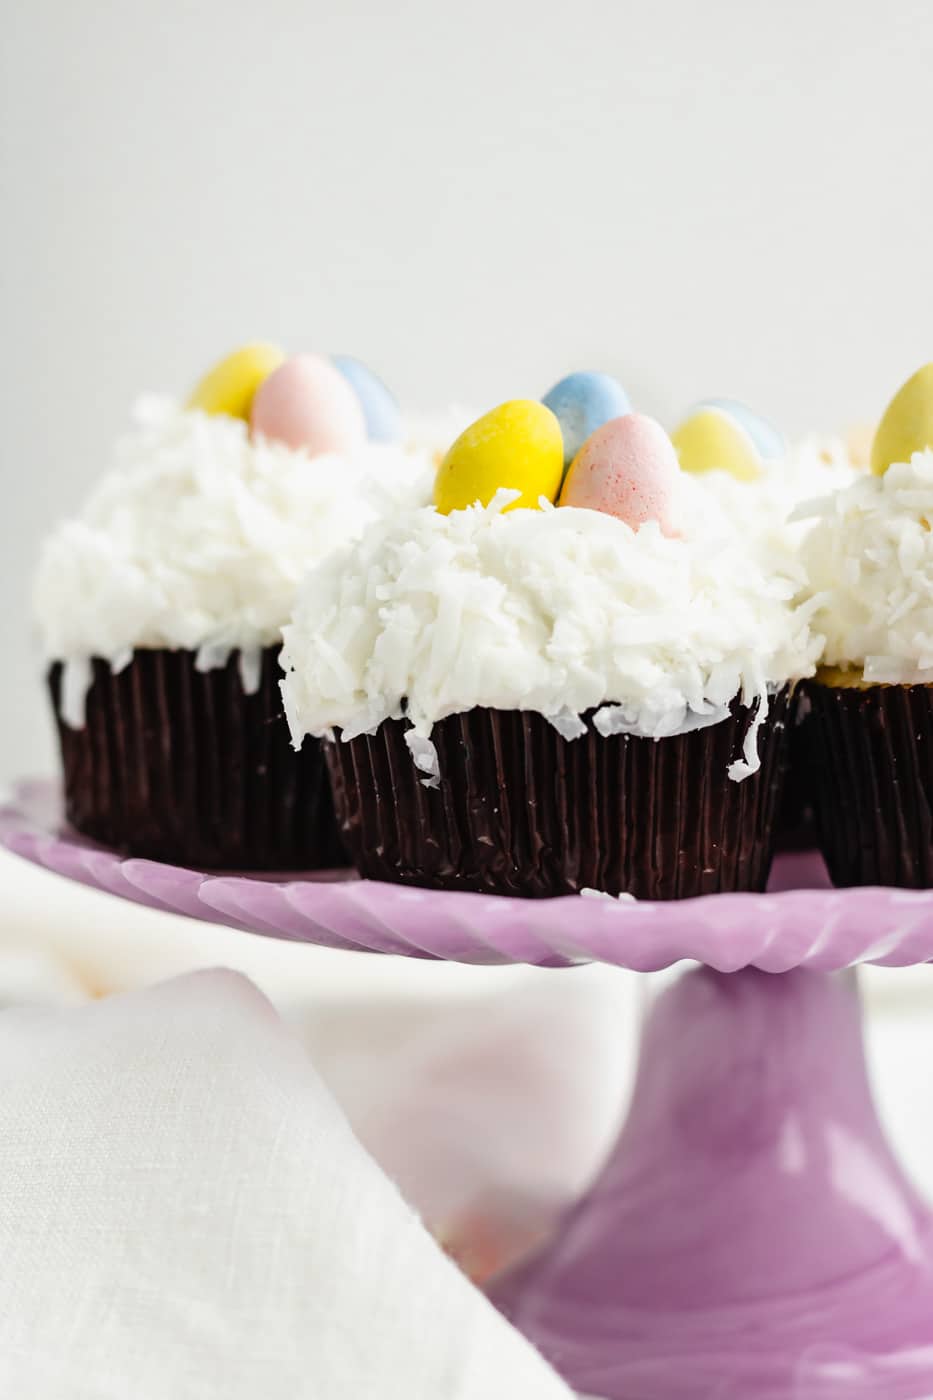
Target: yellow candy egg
[[713, 440], [231, 385], [906, 426], [517, 445]]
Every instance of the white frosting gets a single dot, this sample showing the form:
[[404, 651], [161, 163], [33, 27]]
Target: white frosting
[[869, 560], [811, 468], [560, 611], [198, 538]]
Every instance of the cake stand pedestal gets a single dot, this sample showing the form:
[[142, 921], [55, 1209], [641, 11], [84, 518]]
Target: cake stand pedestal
[[751, 1233], [751, 1236]]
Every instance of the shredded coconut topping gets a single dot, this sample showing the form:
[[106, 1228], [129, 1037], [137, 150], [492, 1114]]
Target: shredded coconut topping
[[811, 468], [198, 538], [561, 611], [869, 559]]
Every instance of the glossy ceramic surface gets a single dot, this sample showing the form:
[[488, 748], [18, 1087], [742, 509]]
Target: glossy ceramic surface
[[800, 922], [751, 1234]]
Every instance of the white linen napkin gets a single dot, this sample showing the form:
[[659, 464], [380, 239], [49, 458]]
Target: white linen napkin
[[185, 1215], [489, 1094]]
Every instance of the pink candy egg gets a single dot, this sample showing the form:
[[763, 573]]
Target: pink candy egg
[[627, 468], [307, 403]]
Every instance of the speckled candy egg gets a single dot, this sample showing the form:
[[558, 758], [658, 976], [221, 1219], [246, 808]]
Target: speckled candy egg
[[906, 425], [307, 403], [231, 385], [517, 445], [627, 468], [380, 410], [583, 402]]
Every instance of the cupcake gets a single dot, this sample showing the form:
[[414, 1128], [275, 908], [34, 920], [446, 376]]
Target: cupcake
[[543, 684], [868, 732], [160, 608], [760, 482]]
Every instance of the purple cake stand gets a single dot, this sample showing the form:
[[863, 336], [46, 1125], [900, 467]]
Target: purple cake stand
[[751, 1236]]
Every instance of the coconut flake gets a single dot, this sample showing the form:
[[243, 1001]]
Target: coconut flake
[[425, 758], [77, 675], [567, 724], [250, 667], [211, 656], [614, 899]]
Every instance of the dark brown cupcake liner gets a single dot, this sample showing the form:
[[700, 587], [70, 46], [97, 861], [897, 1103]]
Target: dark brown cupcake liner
[[522, 811], [870, 758], [795, 825], [181, 765]]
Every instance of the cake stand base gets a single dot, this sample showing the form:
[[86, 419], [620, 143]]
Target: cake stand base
[[752, 1237], [752, 1234]]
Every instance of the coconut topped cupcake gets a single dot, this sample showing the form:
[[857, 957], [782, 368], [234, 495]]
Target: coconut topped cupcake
[[868, 732], [160, 608], [578, 649], [635, 606], [198, 536], [559, 611], [869, 563], [869, 556]]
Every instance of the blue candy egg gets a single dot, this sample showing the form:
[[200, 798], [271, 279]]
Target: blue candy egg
[[383, 418], [583, 402], [763, 434]]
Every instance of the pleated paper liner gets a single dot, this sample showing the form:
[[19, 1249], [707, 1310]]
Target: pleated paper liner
[[870, 755], [795, 828], [522, 811], [180, 765]]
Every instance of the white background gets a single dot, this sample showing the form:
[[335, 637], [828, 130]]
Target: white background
[[726, 198], [718, 198]]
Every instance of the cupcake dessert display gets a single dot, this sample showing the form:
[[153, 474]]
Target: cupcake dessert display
[[572, 671], [160, 608], [869, 731]]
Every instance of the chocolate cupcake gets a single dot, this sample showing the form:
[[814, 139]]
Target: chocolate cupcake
[[868, 731], [193, 766], [519, 809], [869, 755], [810, 468], [160, 608], [536, 701]]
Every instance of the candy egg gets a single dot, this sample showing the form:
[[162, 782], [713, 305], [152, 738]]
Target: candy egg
[[383, 419], [307, 403], [906, 425], [771, 445], [628, 468], [516, 445], [583, 402], [710, 438], [231, 385]]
